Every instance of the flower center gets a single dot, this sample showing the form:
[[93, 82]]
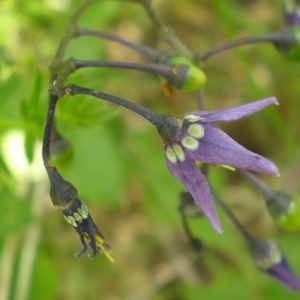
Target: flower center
[[194, 132]]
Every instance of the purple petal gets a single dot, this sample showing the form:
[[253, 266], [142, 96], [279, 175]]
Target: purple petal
[[283, 273], [234, 113], [216, 147], [195, 182]]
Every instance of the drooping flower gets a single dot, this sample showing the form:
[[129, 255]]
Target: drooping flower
[[196, 138], [65, 195]]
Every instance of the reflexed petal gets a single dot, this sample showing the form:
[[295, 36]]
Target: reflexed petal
[[195, 182], [234, 113], [216, 147]]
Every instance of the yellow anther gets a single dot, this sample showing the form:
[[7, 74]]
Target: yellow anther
[[70, 220], [193, 118], [83, 212], [77, 217]]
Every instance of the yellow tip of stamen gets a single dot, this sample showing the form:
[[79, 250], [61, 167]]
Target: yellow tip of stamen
[[105, 252], [228, 167], [103, 247], [225, 167]]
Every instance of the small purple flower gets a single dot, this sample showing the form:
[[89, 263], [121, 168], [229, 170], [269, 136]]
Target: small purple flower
[[196, 138], [291, 12], [269, 259]]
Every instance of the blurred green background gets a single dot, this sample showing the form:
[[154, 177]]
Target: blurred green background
[[116, 158]]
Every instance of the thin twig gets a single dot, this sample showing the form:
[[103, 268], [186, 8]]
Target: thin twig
[[165, 71], [267, 38], [167, 33], [147, 51]]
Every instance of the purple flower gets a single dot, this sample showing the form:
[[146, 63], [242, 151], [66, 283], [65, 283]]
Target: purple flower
[[291, 12], [196, 138], [269, 259]]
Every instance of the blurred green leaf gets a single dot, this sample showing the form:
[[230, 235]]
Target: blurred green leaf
[[49, 285], [14, 214]]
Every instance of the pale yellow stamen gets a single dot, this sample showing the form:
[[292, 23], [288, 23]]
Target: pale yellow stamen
[[193, 118], [103, 247], [70, 220], [83, 212], [77, 217], [228, 167]]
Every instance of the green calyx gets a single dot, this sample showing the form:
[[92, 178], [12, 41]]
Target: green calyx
[[186, 76], [289, 44], [168, 127]]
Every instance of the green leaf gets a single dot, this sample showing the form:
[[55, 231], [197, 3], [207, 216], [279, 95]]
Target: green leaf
[[31, 110], [96, 170], [29, 143], [45, 280]]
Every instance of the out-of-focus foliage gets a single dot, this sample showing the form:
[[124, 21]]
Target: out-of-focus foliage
[[117, 162]]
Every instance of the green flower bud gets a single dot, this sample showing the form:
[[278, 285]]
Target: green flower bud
[[186, 76], [290, 220], [195, 78]]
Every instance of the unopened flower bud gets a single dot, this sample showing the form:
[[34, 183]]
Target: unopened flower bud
[[269, 259], [186, 76]]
